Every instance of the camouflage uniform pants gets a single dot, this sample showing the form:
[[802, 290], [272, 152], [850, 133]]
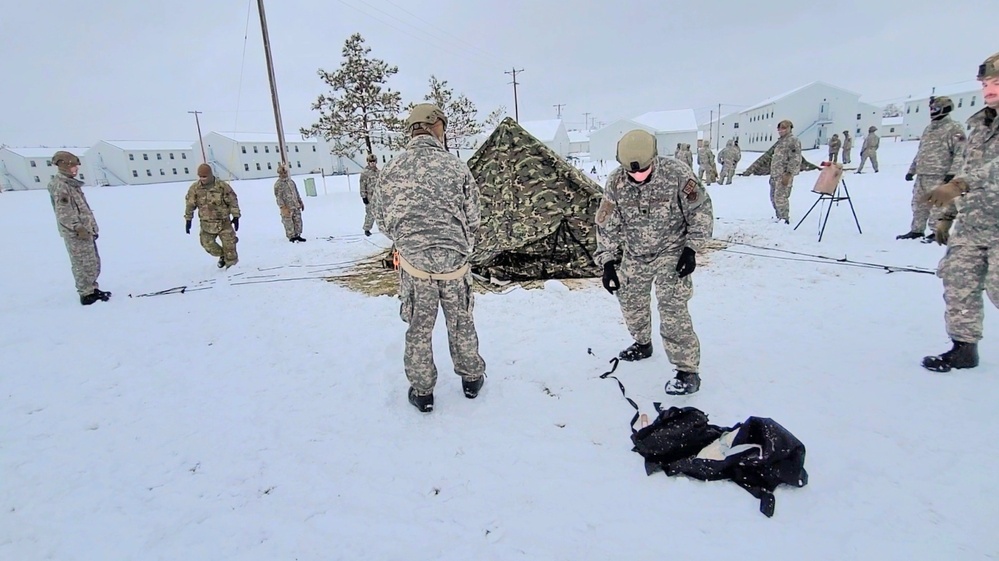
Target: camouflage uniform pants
[[966, 272], [225, 234], [421, 299], [846, 156], [369, 216], [780, 198], [292, 220], [675, 326], [922, 210], [85, 263], [864, 156], [727, 173], [834, 156]]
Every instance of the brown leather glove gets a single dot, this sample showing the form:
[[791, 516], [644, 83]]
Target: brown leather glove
[[285, 211], [785, 180], [942, 231], [83, 233], [944, 194]]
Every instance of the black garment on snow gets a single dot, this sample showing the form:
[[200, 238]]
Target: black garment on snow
[[671, 444]]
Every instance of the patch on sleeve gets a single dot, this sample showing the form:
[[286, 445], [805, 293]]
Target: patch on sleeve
[[690, 190], [604, 212]]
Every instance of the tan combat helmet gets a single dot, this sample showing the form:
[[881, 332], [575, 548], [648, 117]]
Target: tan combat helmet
[[989, 68], [425, 114], [371, 159], [282, 170], [786, 123], [872, 128], [63, 157], [941, 105], [636, 150]]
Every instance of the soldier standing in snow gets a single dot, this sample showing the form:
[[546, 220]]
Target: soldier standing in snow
[[289, 203], [784, 165], [77, 227], [706, 162], [971, 263], [369, 183], [729, 156], [215, 202], [653, 219], [869, 150], [686, 156], [429, 205], [847, 146], [834, 146], [936, 162]]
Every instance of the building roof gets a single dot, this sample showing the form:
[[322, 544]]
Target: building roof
[[776, 98], [130, 145], [45, 151], [542, 130], [579, 136], [969, 87], [892, 121], [669, 121], [263, 137]]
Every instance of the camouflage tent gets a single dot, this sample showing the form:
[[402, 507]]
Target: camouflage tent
[[537, 210], [762, 165]]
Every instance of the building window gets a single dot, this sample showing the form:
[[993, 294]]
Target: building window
[[313, 148], [296, 148], [243, 148], [735, 126], [159, 156], [267, 149], [960, 102], [171, 155], [972, 104], [161, 172], [37, 179], [246, 167], [268, 165], [33, 164], [917, 109], [254, 149], [185, 171], [258, 167], [298, 164], [183, 156], [135, 173], [145, 156], [907, 109], [149, 173], [48, 163], [175, 171], [81, 177], [858, 131], [858, 116]]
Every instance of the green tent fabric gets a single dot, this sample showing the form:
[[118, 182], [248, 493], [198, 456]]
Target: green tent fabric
[[537, 210], [762, 165]]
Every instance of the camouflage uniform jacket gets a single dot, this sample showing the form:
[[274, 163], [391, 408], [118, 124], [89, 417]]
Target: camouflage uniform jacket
[[834, 144], [847, 143], [871, 143], [429, 205], [939, 148], [642, 222], [729, 155], [786, 159], [71, 208], [978, 209], [705, 157], [686, 156], [286, 193], [215, 202], [369, 182]]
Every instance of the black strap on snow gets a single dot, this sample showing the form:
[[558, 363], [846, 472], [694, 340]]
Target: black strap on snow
[[614, 362]]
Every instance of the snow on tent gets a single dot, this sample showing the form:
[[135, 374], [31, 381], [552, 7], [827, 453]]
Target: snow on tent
[[762, 164], [537, 210]]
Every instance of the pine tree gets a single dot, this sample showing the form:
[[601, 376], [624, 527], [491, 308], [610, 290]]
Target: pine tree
[[359, 112]]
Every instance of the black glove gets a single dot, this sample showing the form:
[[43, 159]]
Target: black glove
[[364, 200], [187, 226], [610, 280], [687, 263], [909, 176], [235, 223], [948, 178]]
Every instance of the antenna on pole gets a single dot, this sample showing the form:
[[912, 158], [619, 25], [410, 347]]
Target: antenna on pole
[[516, 111], [558, 110], [270, 76], [201, 140]]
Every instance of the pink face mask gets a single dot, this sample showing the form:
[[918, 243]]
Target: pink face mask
[[640, 176]]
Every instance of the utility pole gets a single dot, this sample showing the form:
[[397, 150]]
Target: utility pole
[[718, 138], [711, 118], [270, 76], [558, 110], [586, 119], [204, 159], [516, 111]]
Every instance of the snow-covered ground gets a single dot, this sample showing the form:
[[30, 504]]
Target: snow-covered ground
[[269, 420]]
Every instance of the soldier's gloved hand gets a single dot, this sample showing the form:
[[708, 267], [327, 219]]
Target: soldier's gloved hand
[[785, 180], [187, 227], [610, 281], [83, 233], [235, 223], [948, 178], [944, 194], [942, 231], [687, 263], [910, 176], [364, 200]]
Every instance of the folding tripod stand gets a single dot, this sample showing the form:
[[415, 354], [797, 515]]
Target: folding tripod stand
[[832, 195]]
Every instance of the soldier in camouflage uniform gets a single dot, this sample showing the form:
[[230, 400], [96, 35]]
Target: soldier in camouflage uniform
[[972, 197], [869, 150], [935, 163], [784, 165], [706, 163], [834, 146], [429, 205], [686, 156], [653, 219], [77, 227], [847, 146], [290, 204], [369, 184], [215, 202], [729, 156]]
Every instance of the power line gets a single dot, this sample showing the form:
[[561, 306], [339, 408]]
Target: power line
[[444, 31]]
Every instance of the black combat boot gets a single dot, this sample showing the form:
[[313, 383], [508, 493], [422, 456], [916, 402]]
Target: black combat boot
[[685, 383], [962, 355], [102, 295], [424, 403], [637, 351], [930, 238], [88, 299], [221, 262], [299, 239], [909, 236], [367, 232], [472, 387]]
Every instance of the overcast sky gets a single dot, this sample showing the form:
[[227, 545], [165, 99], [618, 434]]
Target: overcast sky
[[77, 72]]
